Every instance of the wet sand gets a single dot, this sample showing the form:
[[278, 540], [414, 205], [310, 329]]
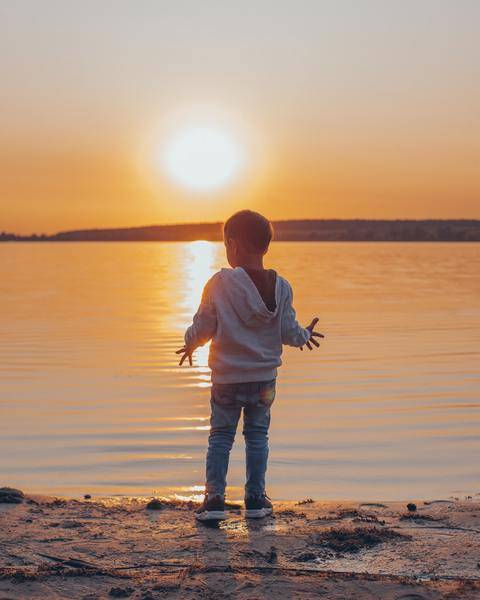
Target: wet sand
[[115, 547]]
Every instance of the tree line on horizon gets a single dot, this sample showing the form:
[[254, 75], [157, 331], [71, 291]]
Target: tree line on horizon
[[361, 230]]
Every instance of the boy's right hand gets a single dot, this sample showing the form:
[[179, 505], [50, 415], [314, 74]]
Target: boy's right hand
[[313, 335], [187, 353]]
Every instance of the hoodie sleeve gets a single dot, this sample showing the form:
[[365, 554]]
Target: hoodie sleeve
[[292, 333], [204, 322]]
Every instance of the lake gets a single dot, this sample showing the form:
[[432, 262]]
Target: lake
[[92, 399]]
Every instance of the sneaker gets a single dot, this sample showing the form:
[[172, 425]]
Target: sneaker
[[211, 509], [258, 506]]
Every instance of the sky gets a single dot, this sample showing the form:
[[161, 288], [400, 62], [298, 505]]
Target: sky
[[340, 109]]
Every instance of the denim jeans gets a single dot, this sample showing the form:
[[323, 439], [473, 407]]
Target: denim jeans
[[227, 401]]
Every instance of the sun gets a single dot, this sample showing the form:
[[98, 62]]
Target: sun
[[202, 158]]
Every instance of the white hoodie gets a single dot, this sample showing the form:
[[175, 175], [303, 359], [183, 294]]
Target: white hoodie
[[247, 338]]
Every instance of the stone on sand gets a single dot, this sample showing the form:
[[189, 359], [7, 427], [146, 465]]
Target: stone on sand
[[10, 495], [118, 592], [155, 504]]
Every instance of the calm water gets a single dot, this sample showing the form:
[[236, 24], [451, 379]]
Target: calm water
[[91, 398]]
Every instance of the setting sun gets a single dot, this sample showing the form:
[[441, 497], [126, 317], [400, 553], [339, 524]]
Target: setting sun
[[202, 158]]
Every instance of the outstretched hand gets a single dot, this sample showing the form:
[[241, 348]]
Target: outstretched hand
[[313, 335], [187, 353]]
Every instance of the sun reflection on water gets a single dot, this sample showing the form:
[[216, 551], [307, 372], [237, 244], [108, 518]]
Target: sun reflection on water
[[183, 428], [195, 493], [200, 256], [199, 259]]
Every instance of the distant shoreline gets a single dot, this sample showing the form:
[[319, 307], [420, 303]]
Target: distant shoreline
[[308, 230], [26, 240]]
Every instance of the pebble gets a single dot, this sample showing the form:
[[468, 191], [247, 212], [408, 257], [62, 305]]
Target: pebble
[[305, 557], [154, 504], [10, 495], [117, 592], [411, 507]]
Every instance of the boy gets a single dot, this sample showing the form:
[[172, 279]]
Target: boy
[[247, 313]]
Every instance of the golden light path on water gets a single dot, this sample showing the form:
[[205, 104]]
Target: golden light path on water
[[200, 267], [200, 260]]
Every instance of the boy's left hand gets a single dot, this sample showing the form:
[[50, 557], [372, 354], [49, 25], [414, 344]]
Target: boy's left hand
[[313, 335], [187, 353]]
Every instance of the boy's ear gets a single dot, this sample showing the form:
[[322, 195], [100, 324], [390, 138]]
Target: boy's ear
[[232, 244]]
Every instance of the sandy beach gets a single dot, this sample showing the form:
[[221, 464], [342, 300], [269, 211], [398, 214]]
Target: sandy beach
[[118, 547]]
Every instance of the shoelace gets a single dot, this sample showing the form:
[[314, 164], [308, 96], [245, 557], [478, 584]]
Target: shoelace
[[260, 497]]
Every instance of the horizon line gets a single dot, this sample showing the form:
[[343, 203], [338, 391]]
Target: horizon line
[[216, 223]]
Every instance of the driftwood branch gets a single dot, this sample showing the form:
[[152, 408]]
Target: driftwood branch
[[85, 568]]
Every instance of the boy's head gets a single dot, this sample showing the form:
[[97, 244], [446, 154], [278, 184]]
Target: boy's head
[[246, 233]]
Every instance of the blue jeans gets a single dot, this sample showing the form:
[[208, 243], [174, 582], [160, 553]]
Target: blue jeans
[[227, 402]]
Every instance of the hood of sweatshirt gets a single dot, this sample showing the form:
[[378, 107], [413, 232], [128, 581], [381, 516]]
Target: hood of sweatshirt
[[245, 298]]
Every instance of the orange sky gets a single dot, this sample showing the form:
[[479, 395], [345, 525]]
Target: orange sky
[[350, 110]]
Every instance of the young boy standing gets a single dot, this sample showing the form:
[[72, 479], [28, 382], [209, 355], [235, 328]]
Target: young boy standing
[[247, 312]]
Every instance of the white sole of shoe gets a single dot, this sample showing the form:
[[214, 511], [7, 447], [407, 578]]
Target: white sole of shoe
[[258, 513], [211, 515]]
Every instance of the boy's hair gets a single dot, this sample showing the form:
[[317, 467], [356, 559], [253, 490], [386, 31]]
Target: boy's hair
[[251, 229]]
